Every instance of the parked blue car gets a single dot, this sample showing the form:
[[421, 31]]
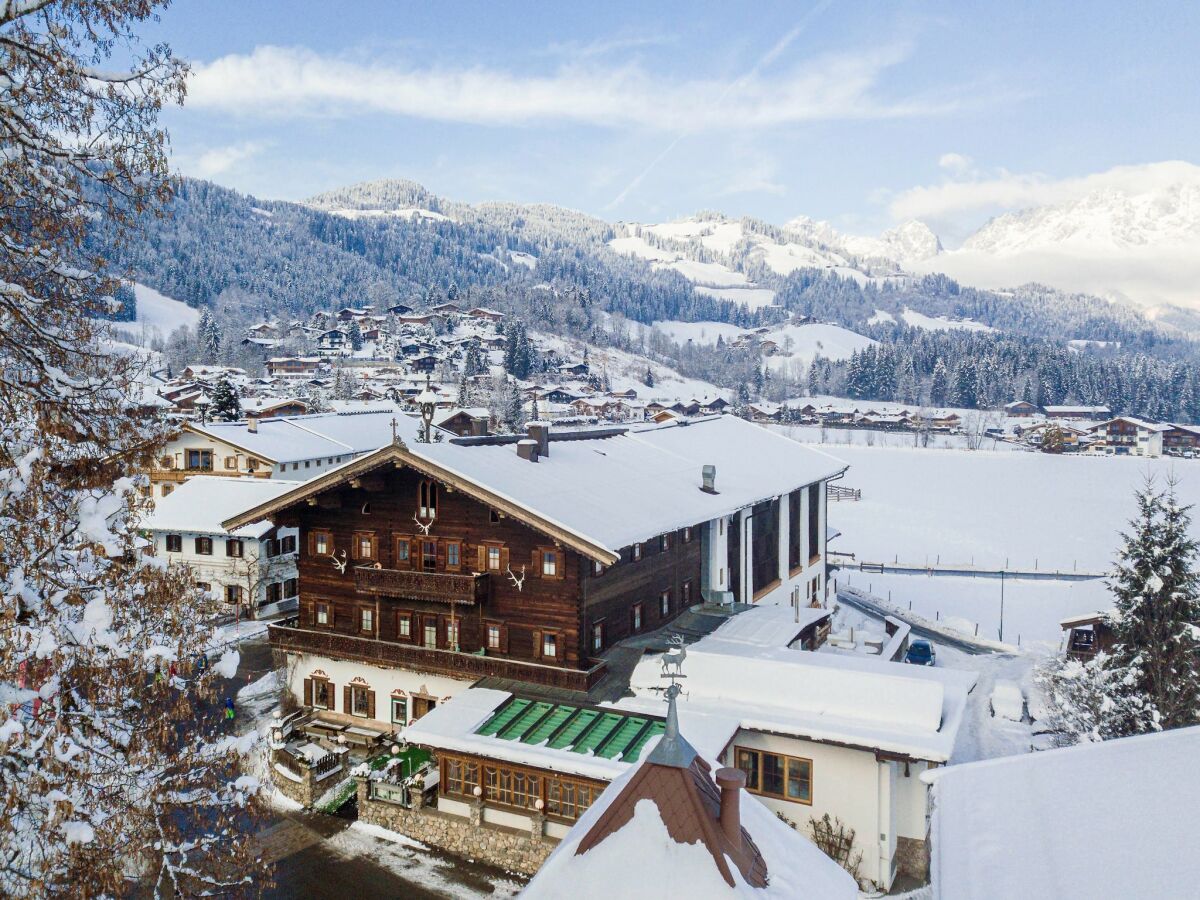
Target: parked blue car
[[920, 653]]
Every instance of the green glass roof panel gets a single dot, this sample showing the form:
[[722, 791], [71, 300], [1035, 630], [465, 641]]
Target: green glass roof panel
[[597, 734], [546, 727], [503, 716], [568, 735], [620, 737], [515, 728], [633, 751]]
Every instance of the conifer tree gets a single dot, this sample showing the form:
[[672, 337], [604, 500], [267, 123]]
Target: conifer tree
[[1156, 620], [354, 333], [226, 404]]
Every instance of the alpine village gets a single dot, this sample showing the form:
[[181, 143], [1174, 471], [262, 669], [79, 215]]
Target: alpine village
[[548, 533]]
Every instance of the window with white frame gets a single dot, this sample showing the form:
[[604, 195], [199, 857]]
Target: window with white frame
[[368, 619], [549, 645]]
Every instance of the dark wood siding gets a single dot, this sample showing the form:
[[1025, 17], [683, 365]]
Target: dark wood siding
[[609, 597], [541, 603]]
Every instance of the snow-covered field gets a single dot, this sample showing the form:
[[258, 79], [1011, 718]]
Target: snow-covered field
[[1033, 608], [833, 438], [157, 316], [939, 323], [992, 509], [798, 344]]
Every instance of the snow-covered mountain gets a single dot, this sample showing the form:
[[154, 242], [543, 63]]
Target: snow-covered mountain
[[905, 244], [1131, 243]]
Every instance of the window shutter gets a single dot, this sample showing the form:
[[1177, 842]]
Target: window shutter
[[503, 638], [535, 564], [504, 559], [347, 705], [308, 692], [537, 645], [414, 553], [481, 554], [370, 704], [441, 554]]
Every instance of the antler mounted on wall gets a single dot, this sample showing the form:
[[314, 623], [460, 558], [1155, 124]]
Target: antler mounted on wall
[[339, 564], [517, 582], [424, 526]]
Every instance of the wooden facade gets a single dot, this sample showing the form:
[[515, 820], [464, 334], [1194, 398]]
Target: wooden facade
[[399, 569]]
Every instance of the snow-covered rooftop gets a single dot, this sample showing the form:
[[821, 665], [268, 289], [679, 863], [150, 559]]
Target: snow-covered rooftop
[[735, 680], [624, 488], [315, 436], [201, 503], [641, 861], [1096, 821]]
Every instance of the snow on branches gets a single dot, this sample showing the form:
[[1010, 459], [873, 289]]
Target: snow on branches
[[115, 765]]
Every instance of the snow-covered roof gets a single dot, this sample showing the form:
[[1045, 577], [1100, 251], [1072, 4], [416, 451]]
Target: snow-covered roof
[[613, 491], [1096, 821], [734, 682], [642, 861], [315, 436], [201, 503]]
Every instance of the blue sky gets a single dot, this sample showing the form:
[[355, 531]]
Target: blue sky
[[864, 114]]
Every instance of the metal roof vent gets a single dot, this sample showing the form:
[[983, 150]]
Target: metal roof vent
[[708, 477]]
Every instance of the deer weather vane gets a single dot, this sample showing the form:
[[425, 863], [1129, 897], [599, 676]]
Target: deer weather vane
[[672, 660], [339, 564], [424, 526], [517, 582]]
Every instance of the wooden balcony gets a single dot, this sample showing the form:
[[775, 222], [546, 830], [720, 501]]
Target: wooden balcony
[[406, 584], [288, 636]]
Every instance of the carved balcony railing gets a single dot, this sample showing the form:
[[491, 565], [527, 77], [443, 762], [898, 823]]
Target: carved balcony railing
[[287, 636], [413, 585]]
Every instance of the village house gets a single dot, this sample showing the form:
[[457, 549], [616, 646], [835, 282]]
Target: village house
[[1178, 439], [672, 820], [1086, 635], [295, 366], [462, 422], [1128, 436], [252, 568], [296, 447], [426, 566], [1021, 409]]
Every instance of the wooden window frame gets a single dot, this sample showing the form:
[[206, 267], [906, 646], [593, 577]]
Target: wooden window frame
[[687, 534], [235, 548], [316, 615], [174, 543], [356, 545], [787, 759], [564, 798], [664, 603], [205, 542], [231, 463], [636, 553], [312, 542], [287, 544], [233, 593], [311, 692], [553, 637], [458, 549], [598, 628], [401, 698], [485, 556], [685, 594], [364, 613], [664, 542], [636, 619], [403, 617], [402, 541], [364, 690], [557, 561], [291, 588]]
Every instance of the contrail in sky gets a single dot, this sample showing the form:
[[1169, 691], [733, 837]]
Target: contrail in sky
[[769, 57]]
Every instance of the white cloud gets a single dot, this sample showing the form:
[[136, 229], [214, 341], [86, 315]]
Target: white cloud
[[219, 160], [1004, 190], [296, 82], [954, 162]]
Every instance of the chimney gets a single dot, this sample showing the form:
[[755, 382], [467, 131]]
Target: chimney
[[708, 476], [252, 424], [527, 448], [731, 782], [540, 432]]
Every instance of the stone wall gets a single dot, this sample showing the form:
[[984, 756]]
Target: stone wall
[[511, 849], [304, 789], [912, 858]]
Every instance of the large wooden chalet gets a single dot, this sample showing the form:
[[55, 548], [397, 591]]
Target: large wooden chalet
[[427, 566]]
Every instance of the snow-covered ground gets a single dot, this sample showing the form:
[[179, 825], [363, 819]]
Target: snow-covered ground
[[798, 344], [627, 370], [994, 509], [1032, 607], [157, 316], [938, 323], [833, 438]]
